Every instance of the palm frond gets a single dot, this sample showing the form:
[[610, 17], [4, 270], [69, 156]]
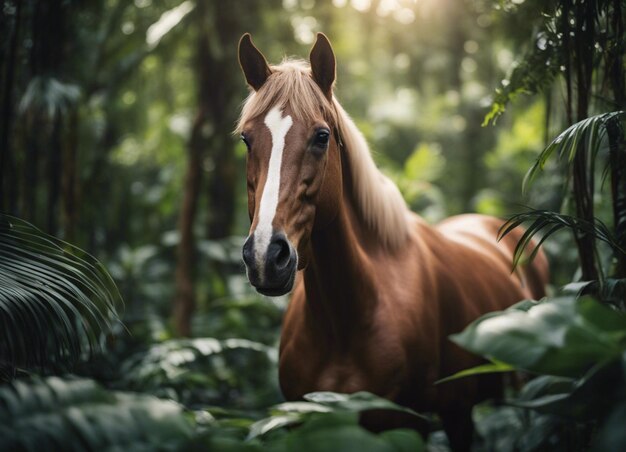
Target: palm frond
[[589, 132], [78, 414], [550, 222], [55, 299]]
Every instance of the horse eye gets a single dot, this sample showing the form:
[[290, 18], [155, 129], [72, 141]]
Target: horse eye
[[321, 138], [243, 138]]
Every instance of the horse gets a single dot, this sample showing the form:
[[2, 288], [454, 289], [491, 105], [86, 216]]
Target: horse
[[376, 291]]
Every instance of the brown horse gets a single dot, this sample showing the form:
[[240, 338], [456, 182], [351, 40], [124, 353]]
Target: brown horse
[[376, 290]]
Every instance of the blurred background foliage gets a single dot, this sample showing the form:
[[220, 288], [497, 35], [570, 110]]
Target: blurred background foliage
[[116, 136]]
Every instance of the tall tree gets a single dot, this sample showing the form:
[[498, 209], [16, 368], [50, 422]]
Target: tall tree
[[218, 26]]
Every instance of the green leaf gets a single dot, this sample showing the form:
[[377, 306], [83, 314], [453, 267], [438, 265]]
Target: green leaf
[[269, 424], [320, 404], [358, 401], [77, 414], [550, 222], [62, 297], [586, 136], [492, 367], [404, 440], [584, 399], [340, 431], [564, 336]]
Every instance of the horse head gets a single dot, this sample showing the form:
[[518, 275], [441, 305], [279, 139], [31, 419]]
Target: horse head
[[288, 124]]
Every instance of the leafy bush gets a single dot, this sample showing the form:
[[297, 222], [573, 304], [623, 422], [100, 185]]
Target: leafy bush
[[78, 414], [577, 347], [251, 316], [237, 373], [325, 421]]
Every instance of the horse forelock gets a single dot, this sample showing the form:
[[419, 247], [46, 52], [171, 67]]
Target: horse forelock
[[290, 85], [379, 201]]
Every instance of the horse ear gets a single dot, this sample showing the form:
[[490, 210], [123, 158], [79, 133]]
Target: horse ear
[[323, 64], [253, 63]]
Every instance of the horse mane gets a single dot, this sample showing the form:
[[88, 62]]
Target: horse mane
[[379, 201]]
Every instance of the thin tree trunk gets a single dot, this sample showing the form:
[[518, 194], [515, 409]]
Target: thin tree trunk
[[617, 158], [220, 65], [616, 57], [582, 167], [617, 148], [218, 102], [69, 182], [7, 201], [184, 301], [585, 37], [30, 169], [55, 165]]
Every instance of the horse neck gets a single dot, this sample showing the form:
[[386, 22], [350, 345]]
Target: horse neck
[[338, 281]]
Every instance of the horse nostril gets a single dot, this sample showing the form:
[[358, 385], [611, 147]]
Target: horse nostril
[[279, 252], [283, 255]]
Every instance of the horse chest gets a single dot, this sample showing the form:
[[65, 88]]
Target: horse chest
[[305, 372]]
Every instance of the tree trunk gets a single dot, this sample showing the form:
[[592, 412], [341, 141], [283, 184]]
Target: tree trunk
[[7, 169], [583, 167], [55, 165], [578, 61], [220, 65], [69, 180], [218, 86], [184, 301], [617, 159]]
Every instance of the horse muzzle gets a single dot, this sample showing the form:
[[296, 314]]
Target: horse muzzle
[[272, 271]]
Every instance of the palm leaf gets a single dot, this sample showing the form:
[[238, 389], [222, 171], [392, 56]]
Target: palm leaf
[[55, 299], [550, 222], [591, 131], [77, 414]]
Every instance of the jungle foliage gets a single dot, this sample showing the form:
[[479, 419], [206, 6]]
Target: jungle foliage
[[115, 136]]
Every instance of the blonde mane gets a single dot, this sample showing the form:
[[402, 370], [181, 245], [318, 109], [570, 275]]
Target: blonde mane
[[380, 203]]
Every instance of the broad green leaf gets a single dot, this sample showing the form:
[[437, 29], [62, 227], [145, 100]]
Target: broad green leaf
[[359, 401], [584, 399], [565, 336], [546, 385], [340, 432], [269, 424], [302, 407], [323, 403], [404, 440]]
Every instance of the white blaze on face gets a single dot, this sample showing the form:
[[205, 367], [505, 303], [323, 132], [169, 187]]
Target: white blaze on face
[[279, 127]]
